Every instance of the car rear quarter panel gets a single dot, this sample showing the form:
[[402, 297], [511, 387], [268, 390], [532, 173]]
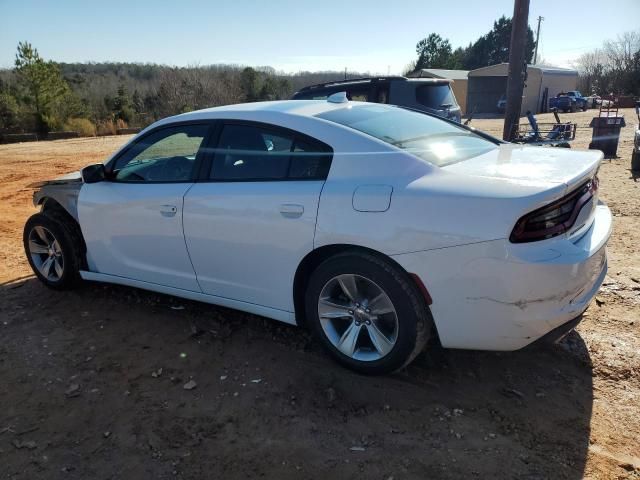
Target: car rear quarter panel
[[429, 208]]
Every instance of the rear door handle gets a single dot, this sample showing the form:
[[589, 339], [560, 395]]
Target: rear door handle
[[291, 210], [168, 210]]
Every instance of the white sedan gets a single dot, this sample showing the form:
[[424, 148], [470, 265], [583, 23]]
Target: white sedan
[[377, 227]]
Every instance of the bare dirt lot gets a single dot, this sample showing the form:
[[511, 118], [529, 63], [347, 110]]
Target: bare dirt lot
[[92, 381]]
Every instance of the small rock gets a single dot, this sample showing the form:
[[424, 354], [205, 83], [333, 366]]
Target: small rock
[[156, 373], [223, 377], [627, 466], [492, 435], [30, 444], [357, 449], [599, 302], [457, 412], [190, 385], [177, 307], [73, 390], [235, 394], [106, 434], [331, 395], [256, 380], [541, 394], [511, 392]]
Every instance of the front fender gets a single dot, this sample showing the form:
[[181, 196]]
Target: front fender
[[65, 193]]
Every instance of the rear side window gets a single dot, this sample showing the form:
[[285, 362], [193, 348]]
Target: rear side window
[[247, 152], [309, 161], [313, 95], [436, 96], [357, 92]]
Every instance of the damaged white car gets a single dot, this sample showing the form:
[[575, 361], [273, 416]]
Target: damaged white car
[[377, 227]]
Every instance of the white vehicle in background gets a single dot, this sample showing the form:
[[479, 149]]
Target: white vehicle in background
[[375, 226]]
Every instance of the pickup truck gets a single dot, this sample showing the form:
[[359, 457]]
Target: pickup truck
[[569, 101]]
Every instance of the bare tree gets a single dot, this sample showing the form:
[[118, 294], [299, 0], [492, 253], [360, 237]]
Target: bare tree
[[613, 69]]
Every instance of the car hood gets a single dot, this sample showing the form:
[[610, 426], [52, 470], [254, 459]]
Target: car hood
[[73, 177], [532, 166]]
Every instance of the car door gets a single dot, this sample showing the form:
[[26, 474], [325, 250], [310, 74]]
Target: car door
[[252, 220], [132, 222]]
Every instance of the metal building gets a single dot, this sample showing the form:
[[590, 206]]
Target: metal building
[[487, 84]]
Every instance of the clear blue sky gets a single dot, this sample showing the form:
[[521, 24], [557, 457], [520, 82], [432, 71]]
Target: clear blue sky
[[290, 35]]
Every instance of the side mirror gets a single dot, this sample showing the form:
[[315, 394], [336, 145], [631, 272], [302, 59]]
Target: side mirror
[[93, 173]]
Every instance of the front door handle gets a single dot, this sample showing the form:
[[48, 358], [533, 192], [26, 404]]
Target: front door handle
[[291, 210], [168, 210]]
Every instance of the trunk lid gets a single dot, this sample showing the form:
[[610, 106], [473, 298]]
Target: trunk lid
[[530, 165]]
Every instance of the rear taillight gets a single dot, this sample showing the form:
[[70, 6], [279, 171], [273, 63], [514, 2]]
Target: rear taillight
[[554, 219]]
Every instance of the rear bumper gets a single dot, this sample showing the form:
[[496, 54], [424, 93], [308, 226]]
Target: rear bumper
[[558, 333], [502, 296]]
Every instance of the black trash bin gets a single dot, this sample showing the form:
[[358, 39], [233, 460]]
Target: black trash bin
[[606, 133]]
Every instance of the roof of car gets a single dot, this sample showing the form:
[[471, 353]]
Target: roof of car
[[305, 108], [441, 73]]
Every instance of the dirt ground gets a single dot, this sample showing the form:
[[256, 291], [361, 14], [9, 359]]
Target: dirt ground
[[92, 381]]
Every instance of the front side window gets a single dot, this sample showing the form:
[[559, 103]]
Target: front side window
[[247, 152], [167, 155], [430, 138]]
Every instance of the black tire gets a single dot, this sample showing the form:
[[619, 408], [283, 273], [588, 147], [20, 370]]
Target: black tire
[[573, 108], [415, 322], [66, 232]]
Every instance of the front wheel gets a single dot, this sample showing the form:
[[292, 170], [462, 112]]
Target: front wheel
[[53, 250], [367, 312]]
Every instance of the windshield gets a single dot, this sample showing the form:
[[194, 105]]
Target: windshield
[[427, 137]]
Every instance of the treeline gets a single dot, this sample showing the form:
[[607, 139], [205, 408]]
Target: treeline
[[40, 95], [612, 69], [489, 49]]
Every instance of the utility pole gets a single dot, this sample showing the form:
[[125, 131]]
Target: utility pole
[[345, 73], [535, 53], [517, 68]]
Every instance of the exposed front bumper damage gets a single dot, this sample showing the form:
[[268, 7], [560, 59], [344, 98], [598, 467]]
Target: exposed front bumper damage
[[63, 190], [502, 296]]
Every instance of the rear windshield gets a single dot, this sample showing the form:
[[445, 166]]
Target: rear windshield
[[436, 96], [427, 137]]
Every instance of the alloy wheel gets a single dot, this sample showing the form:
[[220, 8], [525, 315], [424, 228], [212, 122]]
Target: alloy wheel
[[46, 253], [358, 317]]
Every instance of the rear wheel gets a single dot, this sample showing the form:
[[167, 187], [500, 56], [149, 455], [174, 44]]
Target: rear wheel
[[367, 313], [53, 250]]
